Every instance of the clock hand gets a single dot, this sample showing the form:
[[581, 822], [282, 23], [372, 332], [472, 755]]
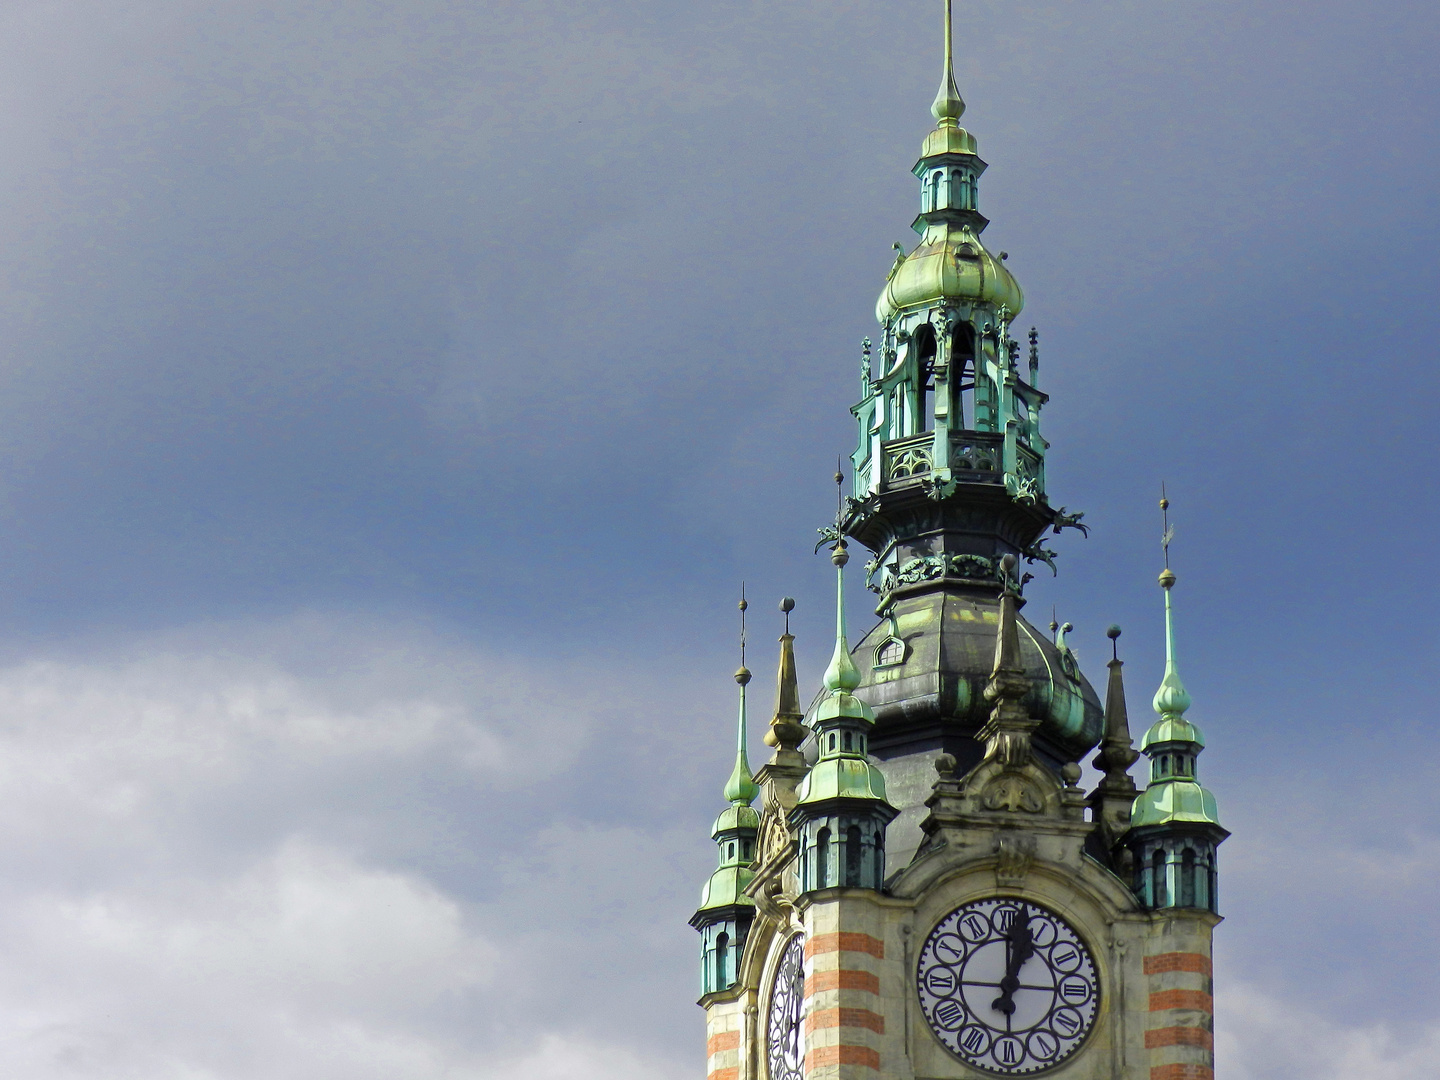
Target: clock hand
[[1019, 947]]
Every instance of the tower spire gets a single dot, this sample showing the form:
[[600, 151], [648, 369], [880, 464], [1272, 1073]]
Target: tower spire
[[841, 677], [741, 788], [948, 106], [1175, 824], [1172, 699], [787, 727]]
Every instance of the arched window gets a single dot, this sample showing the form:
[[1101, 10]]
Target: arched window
[[892, 651], [722, 961], [852, 855], [822, 859], [1157, 881], [967, 192], [848, 740], [1187, 879], [1210, 900], [935, 189], [957, 189]]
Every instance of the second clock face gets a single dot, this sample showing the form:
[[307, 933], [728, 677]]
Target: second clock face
[[1008, 986], [782, 1027]]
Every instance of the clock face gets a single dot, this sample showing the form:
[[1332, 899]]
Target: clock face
[[782, 1027], [1008, 986]]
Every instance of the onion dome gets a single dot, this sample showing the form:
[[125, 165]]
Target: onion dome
[[950, 263]]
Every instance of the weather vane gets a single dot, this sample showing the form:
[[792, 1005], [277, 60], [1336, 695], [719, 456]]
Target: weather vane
[[1169, 533], [834, 535], [743, 605]]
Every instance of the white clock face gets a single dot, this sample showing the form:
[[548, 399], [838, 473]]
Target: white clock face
[[1008, 986], [782, 1027]]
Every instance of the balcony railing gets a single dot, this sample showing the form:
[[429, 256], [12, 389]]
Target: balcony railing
[[976, 457]]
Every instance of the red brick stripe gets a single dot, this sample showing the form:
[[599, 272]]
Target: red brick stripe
[[1181, 999], [1177, 961], [841, 980], [1179, 1036], [842, 1055], [724, 1074], [843, 942], [725, 1040], [1182, 1072], [851, 1018]]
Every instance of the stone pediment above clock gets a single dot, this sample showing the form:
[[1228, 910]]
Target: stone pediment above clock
[[1000, 816]]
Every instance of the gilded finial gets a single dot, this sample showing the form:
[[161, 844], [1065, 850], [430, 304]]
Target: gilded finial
[[948, 106], [786, 727]]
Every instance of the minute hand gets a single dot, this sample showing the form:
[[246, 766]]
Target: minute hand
[[1019, 947]]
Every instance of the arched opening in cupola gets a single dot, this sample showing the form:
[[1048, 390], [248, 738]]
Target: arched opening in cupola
[[852, 856], [822, 859], [722, 961], [962, 375], [924, 380], [1187, 878], [1158, 891]]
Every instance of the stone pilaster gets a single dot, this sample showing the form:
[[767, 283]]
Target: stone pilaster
[[1180, 1026]]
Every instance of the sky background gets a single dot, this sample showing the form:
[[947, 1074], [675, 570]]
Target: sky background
[[393, 397]]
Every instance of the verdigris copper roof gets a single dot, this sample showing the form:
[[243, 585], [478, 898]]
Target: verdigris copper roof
[[949, 651]]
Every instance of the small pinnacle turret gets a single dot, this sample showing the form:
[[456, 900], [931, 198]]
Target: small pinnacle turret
[[1175, 824], [726, 913], [841, 811]]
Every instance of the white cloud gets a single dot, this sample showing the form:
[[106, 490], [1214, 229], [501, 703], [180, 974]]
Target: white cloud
[[1260, 1037], [171, 910]]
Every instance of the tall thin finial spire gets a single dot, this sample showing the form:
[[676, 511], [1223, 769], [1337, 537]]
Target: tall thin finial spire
[[1171, 699], [948, 106], [842, 676], [741, 788]]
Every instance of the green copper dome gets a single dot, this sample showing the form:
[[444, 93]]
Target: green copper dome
[[950, 263], [726, 888], [842, 778], [1172, 801], [735, 817], [1172, 729]]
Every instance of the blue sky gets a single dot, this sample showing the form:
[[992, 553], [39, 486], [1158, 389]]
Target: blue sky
[[394, 395]]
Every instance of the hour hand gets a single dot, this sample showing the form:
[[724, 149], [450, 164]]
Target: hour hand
[[1019, 947]]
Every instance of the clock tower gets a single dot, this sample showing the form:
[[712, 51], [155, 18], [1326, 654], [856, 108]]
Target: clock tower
[[925, 891]]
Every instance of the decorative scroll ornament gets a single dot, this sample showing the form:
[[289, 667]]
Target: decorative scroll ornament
[[932, 567], [1011, 793]]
